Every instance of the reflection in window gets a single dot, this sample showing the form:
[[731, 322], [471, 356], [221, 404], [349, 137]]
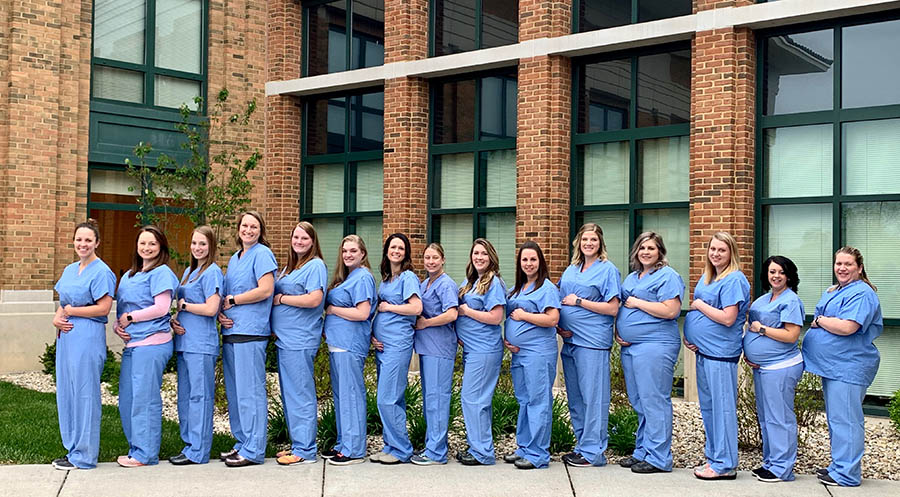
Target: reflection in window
[[664, 89], [605, 96], [651, 10], [799, 73], [498, 104], [326, 46], [870, 57], [328, 122], [453, 113], [466, 25], [499, 23], [601, 14], [119, 30]]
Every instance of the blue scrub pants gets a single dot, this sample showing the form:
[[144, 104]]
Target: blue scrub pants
[[80, 355], [480, 375], [649, 368], [392, 368], [775, 390], [717, 391], [532, 376], [847, 430], [349, 392], [586, 372], [437, 386], [140, 403], [296, 377], [196, 394], [245, 388]]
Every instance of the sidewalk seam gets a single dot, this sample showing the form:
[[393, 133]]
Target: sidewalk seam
[[324, 463], [569, 476], [62, 483]]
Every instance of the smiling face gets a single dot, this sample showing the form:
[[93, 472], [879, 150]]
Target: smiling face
[[590, 244], [352, 255], [148, 247], [85, 243], [396, 251], [777, 278], [648, 253], [199, 246], [301, 242], [719, 254], [433, 261], [249, 230], [529, 262], [846, 270], [480, 258]]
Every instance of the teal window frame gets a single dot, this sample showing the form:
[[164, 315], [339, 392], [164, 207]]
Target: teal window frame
[[148, 68], [139, 208], [348, 28], [479, 24]]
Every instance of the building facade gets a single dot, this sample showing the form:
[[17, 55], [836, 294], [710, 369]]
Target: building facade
[[454, 119]]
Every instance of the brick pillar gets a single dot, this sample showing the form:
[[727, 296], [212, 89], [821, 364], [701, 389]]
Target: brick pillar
[[406, 126], [544, 135], [283, 125], [722, 151]]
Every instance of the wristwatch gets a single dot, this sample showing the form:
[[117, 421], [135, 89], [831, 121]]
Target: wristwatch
[[184, 306], [578, 302], [762, 330], [231, 301], [129, 317], [816, 322]]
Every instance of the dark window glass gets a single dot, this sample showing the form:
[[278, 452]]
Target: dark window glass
[[870, 69], [326, 39], [454, 112], [325, 126], [651, 10], [664, 89], [368, 34], [499, 23], [367, 122], [799, 72], [498, 107], [605, 96], [454, 26], [599, 14]]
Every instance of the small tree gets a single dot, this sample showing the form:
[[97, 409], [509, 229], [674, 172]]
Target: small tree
[[208, 190]]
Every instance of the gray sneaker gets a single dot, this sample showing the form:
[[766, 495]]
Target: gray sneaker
[[423, 460]]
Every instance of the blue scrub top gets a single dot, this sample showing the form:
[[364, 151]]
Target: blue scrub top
[[300, 328], [79, 290], [713, 339], [242, 276], [637, 326], [441, 296], [532, 339], [853, 358], [476, 336], [787, 308], [599, 283], [352, 336], [394, 330], [200, 333], [138, 292]]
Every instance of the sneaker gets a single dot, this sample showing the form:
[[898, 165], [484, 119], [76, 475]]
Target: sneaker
[[709, 474], [63, 464], [128, 462], [289, 459], [328, 454], [423, 460], [238, 461], [826, 479], [766, 476], [821, 471], [523, 463], [180, 460], [342, 460], [756, 471], [467, 459], [387, 458], [226, 455], [511, 458], [575, 459], [628, 462], [645, 468], [377, 457]]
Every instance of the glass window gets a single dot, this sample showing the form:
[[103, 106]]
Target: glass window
[[664, 89], [499, 23], [605, 176], [466, 25], [328, 123], [663, 169], [326, 47], [616, 235], [454, 181], [455, 231], [799, 72], [175, 92], [798, 161], [499, 167], [325, 185], [119, 30], [672, 225], [874, 228], [453, 112], [499, 103], [871, 157], [870, 55], [591, 15], [179, 33], [118, 84], [604, 97], [651, 10]]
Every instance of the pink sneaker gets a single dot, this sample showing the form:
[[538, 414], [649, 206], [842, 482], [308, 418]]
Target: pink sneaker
[[128, 462], [707, 473]]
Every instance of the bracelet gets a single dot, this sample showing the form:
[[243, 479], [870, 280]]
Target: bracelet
[[280, 298], [816, 322]]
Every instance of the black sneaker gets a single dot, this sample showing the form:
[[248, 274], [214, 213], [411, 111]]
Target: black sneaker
[[821, 471], [755, 471], [467, 459], [575, 459], [645, 468], [826, 479], [342, 460], [328, 454], [511, 458], [766, 476], [63, 464], [523, 463], [628, 462]]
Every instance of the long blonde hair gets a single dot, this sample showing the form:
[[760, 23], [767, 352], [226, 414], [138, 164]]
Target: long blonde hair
[[577, 254], [857, 256], [210, 235], [483, 283], [340, 269], [295, 261], [734, 263]]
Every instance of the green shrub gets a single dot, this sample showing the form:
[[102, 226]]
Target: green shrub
[[562, 438], [894, 410], [48, 360], [373, 419], [749, 434], [326, 432], [322, 372], [415, 414], [809, 402], [110, 373], [277, 424], [618, 393], [623, 424], [271, 357], [504, 413]]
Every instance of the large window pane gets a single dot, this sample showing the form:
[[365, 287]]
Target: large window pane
[[498, 107], [799, 72], [874, 228], [369, 185], [672, 225], [173, 92], [367, 122], [871, 157], [325, 126], [454, 232], [599, 14], [454, 26], [501, 178], [798, 161], [118, 84], [663, 169], [178, 35], [605, 96], [119, 30], [500, 230], [454, 186], [615, 234], [664, 89], [499, 22], [325, 188], [651, 10], [887, 381], [454, 112], [370, 229], [870, 70], [803, 233], [368, 33], [330, 232], [326, 38], [605, 173]]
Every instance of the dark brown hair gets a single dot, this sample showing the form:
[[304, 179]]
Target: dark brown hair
[[137, 263], [542, 274]]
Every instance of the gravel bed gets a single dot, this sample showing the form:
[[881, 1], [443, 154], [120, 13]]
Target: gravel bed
[[881, 460]]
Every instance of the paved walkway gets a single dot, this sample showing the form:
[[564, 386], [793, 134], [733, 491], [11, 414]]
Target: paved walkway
[[369, 479]]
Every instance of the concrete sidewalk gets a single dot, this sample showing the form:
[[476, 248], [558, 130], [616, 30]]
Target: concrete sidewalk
[[369, 479]]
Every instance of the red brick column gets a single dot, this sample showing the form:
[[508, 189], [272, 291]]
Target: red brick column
[[544, 135], [406, 125]]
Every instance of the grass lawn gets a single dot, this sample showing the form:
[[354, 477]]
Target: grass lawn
[[29, 431]]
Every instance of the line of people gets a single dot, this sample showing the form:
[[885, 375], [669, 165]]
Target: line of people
[[588, 307]]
